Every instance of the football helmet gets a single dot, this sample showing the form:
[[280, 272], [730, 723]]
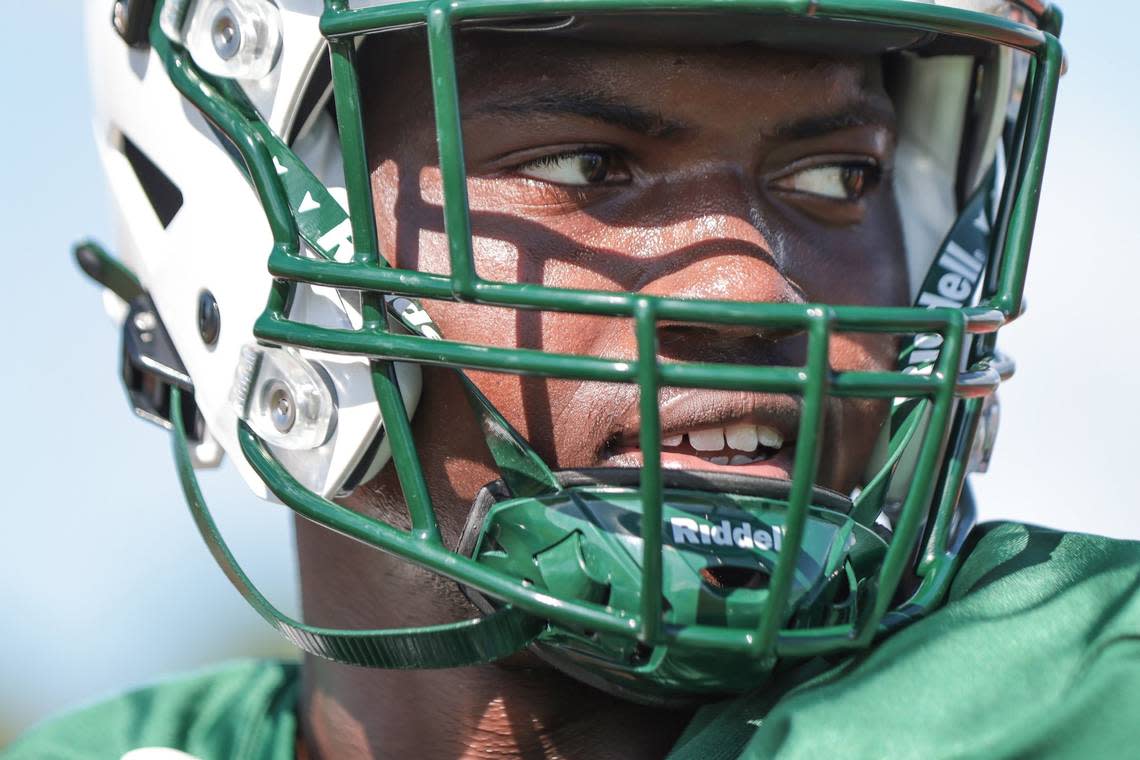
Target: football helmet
[[260, 320]]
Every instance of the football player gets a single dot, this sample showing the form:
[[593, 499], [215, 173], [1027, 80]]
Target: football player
[[624, 363]]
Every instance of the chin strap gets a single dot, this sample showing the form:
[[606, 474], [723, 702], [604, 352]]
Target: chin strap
[[452, 645]]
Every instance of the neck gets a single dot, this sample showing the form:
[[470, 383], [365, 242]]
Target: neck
[[486, 712], [518, 708]]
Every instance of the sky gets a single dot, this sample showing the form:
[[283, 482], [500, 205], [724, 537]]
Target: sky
[[104, 582]]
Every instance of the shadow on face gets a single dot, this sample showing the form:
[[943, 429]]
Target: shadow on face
[[728, 173]]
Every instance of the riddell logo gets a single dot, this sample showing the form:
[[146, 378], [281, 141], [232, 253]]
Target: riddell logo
[[688, 531]]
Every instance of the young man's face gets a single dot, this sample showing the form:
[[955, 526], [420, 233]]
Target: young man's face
[[732, 173]]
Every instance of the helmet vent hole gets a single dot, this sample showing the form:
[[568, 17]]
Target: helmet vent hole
[[164, 196], [730, 577]]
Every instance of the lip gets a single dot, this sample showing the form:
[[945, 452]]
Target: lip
[[778, 467], [683, 410]]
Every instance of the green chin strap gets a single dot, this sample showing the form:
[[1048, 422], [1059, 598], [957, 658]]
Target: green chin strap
[[453, 645]]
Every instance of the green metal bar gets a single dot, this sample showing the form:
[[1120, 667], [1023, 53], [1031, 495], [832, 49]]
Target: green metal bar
[[258, 163], [1024, 217], [1011, 186], [383, 345], [387, 345], [406, 282], [881, 385], [954, 479], [344, 22], [449, 137], [710, 637], [961, 441], [922, 485], [938, 19], [409, 282], [938, 561], [999, 263], [734, 377], [790, 643], [398, 428], [650, 488], [939, 558], [358, 184], [391, 345], [936, 566], [357, 179], [808, 445], [884, 319], [932, 18]]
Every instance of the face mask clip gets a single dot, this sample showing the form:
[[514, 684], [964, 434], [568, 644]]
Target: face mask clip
[[236, 39], [150, 365], [283, 397]]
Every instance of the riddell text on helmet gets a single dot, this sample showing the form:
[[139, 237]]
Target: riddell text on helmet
[[688, 531]]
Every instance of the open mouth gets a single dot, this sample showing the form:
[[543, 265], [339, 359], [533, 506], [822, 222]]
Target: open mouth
[[720, 431], [742, 447]]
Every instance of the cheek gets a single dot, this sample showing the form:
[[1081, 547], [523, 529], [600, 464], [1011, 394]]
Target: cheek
[[507, 248], [861, 265], [536, 406], [864, 352], [511, 242], [857, 422]]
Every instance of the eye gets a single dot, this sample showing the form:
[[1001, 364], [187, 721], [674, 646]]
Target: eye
[[578, 168], [847, 182]]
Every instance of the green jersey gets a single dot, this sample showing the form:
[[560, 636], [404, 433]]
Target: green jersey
[[1035, 654]]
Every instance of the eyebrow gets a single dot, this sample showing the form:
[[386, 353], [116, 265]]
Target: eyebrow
[[863, 114], [589, 105], [603, 108]]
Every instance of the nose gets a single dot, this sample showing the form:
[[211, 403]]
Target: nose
[[726, 253], [737, 276]]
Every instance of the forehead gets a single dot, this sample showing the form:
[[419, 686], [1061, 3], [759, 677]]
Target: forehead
[[718, 89], [731, 84], [494, 68]]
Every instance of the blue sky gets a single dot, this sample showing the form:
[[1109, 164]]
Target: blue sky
[[106, 582]]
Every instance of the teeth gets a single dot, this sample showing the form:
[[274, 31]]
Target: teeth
[[719, 460], [740, 459], [707, 440], [769, 438], [741, 437]]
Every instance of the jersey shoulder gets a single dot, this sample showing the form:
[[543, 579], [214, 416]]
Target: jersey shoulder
[[1036, 653], [244, 709]]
